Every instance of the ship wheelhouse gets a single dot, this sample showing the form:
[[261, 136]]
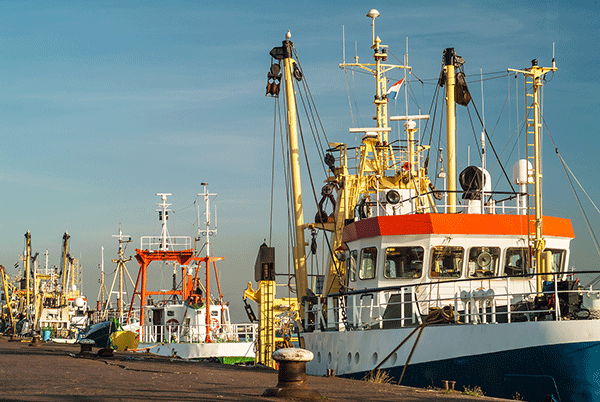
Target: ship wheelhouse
[[410, 249], [416, 261]]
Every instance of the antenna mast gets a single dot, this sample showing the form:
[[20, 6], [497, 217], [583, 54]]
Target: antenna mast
[[123, 239], [207, 228], [534, 83], [163, 215]]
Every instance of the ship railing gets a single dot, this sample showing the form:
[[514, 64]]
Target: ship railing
[[245, 332], [105, 315], [172, 243], [496, 202], [504, 299], [422, 203]]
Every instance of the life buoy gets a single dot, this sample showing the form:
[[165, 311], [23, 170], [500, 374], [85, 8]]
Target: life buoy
[[214, 324], [173, 324], [406, 167]]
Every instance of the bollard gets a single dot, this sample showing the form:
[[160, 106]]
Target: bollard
[[292, 375], [35, 341], [86, 346]]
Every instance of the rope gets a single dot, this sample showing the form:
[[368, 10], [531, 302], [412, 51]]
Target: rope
[[436, 315]]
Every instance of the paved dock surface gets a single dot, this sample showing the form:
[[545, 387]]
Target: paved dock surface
[[57, 372]]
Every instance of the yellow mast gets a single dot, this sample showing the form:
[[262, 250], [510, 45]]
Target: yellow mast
[[8, 298], [533, 76], [27, 263], [285, 53], [450, 128], [65, 267]]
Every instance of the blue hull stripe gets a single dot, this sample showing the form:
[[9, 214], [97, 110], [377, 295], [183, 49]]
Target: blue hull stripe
[[567, 372]]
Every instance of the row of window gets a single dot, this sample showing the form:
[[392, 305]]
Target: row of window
[[446, 262]]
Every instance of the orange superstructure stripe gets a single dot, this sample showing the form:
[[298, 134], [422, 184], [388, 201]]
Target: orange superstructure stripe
[[454, 224]]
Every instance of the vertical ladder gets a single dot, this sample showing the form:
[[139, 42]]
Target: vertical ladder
[[267, 323], [530, 125], [533, 77]]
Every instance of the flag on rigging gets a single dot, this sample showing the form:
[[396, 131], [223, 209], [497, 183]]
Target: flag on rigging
[[396, 88]]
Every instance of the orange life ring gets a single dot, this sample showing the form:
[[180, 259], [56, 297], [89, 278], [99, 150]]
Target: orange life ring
[[214, 324], [173, 324], [406, 167]]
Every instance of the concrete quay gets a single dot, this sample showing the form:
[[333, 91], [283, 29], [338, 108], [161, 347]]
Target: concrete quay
[[58, 372]]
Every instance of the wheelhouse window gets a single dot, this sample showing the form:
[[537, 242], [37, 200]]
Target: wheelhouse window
[[483, 261], [351, 265], [558, 259], [368, 262], [446, 261], [403, 262], [517, 261]]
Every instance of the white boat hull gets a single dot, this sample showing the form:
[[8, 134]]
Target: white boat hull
[[533, 358], [201, 350]]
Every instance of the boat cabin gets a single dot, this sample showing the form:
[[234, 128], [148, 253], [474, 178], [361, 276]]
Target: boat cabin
[[408, 249], [186, 322]]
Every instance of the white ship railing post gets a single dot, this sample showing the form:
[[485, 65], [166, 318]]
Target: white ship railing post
[[508, 299], [556, 299], [456, 306], [402, 305]]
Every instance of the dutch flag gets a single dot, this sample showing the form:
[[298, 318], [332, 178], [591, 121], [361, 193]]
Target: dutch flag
[[396, 88]]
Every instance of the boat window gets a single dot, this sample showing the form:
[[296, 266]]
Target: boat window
[[352, 265], [558, 259], [403, 262], [446, 261], [368, 260], [483, 261], [517, 261]]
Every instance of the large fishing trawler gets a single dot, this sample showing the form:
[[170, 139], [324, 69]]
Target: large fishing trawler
[[467, 285]]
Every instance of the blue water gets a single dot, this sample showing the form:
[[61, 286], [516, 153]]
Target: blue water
[[566, 372]]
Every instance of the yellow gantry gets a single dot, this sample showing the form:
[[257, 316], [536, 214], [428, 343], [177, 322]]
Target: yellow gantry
[[270, 309]]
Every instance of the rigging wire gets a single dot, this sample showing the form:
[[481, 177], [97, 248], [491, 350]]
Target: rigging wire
[[320, 151], [568, 174], [349, 99], [289, 196], [489, 139], [311, 102]]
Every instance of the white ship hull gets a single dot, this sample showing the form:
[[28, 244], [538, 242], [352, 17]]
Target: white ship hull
[[535, 358], [201, 350]]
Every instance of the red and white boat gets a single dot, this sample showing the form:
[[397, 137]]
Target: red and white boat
[[430, 282]]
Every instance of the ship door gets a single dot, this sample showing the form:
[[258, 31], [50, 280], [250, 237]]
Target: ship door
[[158, 324]]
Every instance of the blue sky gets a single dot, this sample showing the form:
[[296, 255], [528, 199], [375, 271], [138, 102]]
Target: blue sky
[[105, 103]]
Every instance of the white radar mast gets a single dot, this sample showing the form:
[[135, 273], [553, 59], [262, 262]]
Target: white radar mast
[[207, 231], [163, 215]]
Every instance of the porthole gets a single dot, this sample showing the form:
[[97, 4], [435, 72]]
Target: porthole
[[318, 357], [393, 359], [329, 358], [374, 358], [356, 358], [350, 358]]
